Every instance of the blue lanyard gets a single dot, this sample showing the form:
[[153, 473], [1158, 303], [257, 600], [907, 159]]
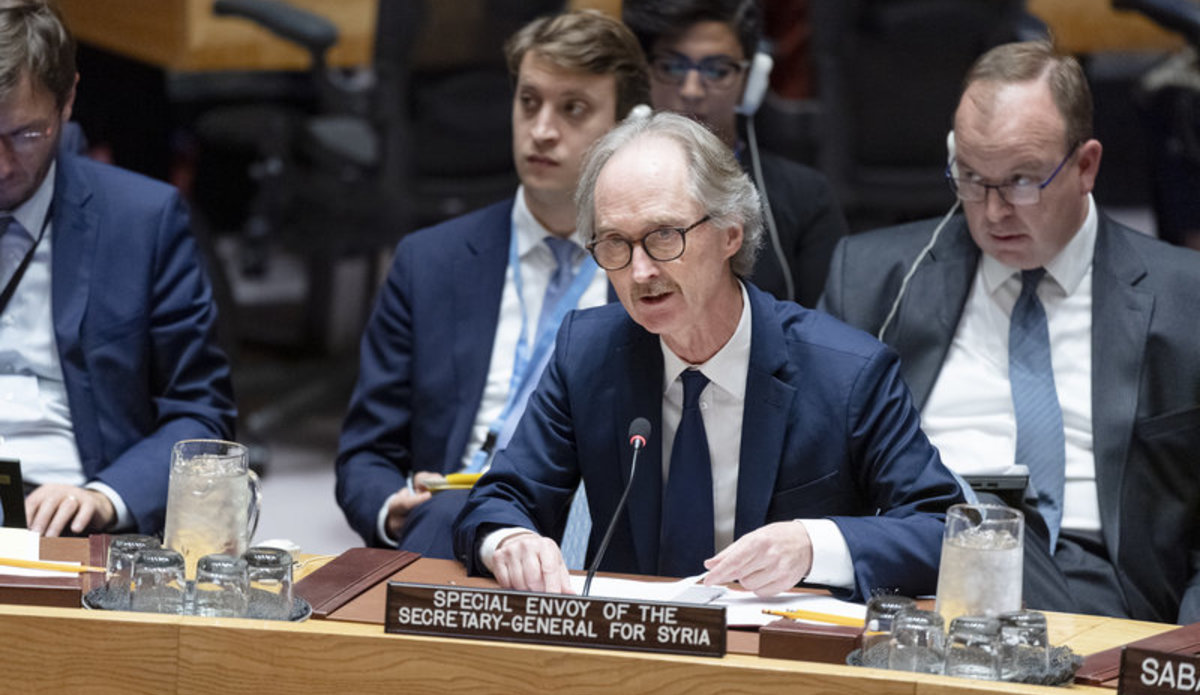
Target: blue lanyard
[[527, 362]]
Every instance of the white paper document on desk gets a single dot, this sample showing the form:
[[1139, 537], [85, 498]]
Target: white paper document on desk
[[742, 608]]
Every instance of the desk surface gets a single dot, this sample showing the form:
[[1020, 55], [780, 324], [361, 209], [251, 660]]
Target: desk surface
[[76, 650]]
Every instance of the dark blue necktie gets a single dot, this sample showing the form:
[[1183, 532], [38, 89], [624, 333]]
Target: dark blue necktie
[[687, 512], [1041, 444]]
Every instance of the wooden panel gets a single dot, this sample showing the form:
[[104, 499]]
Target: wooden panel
[[58, 650], [184, 34], [1091, 26]]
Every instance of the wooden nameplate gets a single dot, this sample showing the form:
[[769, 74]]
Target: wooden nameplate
[[1103, 668], [563, 620]]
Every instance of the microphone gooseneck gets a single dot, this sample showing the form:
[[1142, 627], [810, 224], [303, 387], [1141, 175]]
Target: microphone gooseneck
[[639, 432]]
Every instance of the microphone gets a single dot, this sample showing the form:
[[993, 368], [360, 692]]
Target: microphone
[[639, 430]]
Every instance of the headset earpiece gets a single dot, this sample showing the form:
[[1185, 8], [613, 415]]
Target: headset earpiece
[[951, 154], [757, 80]]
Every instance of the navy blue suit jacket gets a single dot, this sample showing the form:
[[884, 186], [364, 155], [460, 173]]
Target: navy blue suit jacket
[[829, 431], [423, 366], [134, 321]]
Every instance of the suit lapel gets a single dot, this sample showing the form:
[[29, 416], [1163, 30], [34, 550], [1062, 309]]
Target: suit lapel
[[765, 417], [1120, 323], [942, 281], [73, 243], [475, 308], [639, 394]]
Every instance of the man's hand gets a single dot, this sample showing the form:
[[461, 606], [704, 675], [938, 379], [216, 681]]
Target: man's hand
[[401, 504], [529, 562], [766, 561], [51, 507]]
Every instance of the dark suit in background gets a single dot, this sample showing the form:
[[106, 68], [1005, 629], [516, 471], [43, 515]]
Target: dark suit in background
[[1145, 381], [809, 222], [424, 363], [829, 430], [134, 322]]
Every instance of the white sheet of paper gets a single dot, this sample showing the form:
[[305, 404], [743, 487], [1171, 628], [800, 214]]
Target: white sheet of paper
[[742, 608], [23, 544]]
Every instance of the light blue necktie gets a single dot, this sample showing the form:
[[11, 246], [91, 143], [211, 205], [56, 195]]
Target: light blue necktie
[[687, 511], [579, 520], [1041, 444], [14, 244]]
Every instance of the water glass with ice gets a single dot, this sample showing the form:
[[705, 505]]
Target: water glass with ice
[[981, 562], [213, 500]]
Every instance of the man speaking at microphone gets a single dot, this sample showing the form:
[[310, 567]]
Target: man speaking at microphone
[[784, 446]]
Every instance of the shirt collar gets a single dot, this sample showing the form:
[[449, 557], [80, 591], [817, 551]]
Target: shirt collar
[[32, 213], [728, 368], [530, 232], [1068, 268]]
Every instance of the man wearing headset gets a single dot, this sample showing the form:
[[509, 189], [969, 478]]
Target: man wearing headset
[[704, 63], [1035, 330]]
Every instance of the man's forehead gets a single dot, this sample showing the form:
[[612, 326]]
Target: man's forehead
[[539, 72]]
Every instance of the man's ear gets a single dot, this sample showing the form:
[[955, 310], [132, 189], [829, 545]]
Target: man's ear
[[69, 105], [1089, 164]]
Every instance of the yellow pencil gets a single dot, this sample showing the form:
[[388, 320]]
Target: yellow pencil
[[816, 617], [44, 565]]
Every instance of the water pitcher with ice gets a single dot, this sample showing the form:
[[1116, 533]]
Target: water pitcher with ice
[[981, 561], [212, 501]]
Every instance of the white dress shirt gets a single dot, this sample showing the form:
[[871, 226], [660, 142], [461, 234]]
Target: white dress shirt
[[35, 417], [969, 415], [721, 407]]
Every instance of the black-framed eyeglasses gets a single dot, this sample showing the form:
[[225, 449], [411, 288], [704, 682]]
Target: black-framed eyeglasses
[[720, 72], [1014, 193], [662, 244]]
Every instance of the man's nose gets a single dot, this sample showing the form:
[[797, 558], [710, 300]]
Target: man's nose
[[642, 266], [545, 125], [693, 87], [996, 206]]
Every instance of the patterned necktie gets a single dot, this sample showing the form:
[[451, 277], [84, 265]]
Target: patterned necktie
[[687, 511], [1041, 444]]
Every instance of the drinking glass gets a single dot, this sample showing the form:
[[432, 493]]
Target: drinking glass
[[981, 561], [118, 573], [159, 585], [881, 614], [213, 500], [1024, 645], [973, 649], [270, 572], [222, 586], [918, 642]]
